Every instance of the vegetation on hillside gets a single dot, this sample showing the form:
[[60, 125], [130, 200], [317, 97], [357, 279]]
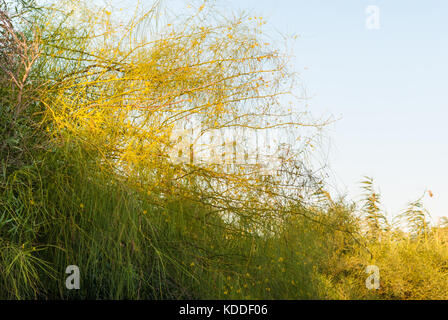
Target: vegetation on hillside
[[90, 108]]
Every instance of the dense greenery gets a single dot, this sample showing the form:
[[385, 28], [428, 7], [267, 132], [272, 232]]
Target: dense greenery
[[87, 108]]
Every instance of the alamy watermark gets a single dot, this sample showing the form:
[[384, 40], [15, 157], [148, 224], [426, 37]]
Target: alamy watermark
[[373, 17], [235, 147], [373, 280], [73, 280]]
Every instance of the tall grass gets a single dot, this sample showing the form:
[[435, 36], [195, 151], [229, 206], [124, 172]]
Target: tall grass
[[127, 246]]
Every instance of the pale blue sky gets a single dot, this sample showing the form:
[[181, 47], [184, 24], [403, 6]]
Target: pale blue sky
[[388, 86]]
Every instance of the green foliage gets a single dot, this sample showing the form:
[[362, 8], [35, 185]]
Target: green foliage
[[417, 218], [376, 220]]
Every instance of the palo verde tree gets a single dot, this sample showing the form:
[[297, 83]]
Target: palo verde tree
[[102, 97], [125, 87]]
